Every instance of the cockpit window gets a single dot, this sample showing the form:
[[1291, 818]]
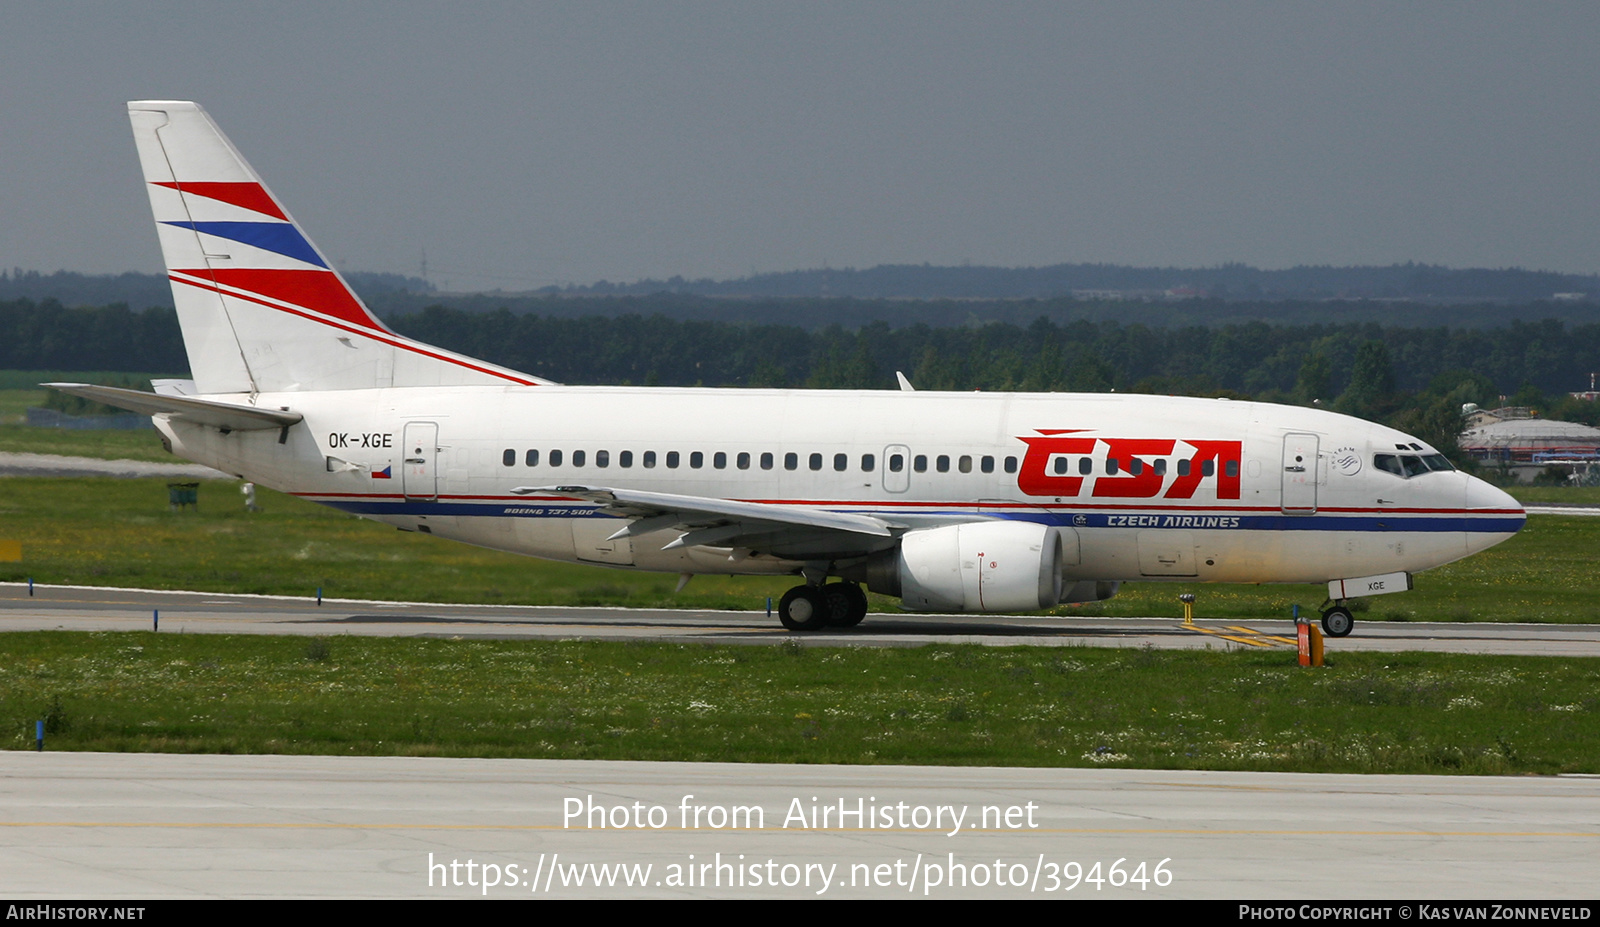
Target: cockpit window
[[1409, 465]]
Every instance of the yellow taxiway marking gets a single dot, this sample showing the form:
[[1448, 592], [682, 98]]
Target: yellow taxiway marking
[[1242, 635], [1265, 636]]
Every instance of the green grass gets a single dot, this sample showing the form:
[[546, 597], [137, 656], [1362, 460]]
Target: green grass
[[15, 403], [142, 444], [120, 533], [111, 532], [20, 390], [941, 705], [1543, 495]]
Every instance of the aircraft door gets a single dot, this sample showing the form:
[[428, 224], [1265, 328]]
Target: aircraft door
[[1299, 474], [419, 476], [897, 468]]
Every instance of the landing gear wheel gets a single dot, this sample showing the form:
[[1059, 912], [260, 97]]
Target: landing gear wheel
[[804, 608], [847, 604], [1337, 621]]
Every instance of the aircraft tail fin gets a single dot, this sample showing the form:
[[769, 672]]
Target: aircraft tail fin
[[261, 308]]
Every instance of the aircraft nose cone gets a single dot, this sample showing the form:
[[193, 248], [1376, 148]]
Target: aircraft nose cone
[[1492, 515], [1481, 495]]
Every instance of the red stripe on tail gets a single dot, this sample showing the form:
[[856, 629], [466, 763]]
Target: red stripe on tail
[[318, 290], [244, 194]]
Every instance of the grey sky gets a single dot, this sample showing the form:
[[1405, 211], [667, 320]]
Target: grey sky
[[525, 144]]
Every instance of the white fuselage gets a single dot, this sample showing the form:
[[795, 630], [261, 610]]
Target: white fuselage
[[1142, 487], [949, 501]]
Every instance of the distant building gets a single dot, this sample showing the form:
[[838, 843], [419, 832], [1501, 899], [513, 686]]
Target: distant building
[[1512, 439]]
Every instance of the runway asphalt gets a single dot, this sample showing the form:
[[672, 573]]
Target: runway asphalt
[[140, 826], [99, 609]]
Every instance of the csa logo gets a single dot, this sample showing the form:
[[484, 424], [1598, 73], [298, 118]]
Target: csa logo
[[1132, 477]]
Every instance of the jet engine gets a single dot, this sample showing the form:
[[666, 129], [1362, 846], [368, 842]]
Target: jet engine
[[988, 566]]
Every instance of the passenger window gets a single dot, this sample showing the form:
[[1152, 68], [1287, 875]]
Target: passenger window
[[868, 463], [719, 460], [766, 461], [791, 461], [1231, 468], [1061, 465], [531, 459], [1184, 466], [942, 463], [897, 462], [625, 458], [649, 459], [1112, 466], [743, 460], [509, 458], [1136, 466], [1161, 467], [1011, 464], [841, 462], [1208, 468], [672, 460], [1085, 466], [577, 458], [919, 463], [555, 458], [986, 464], [816, 461], [602, 458], [697, 459]]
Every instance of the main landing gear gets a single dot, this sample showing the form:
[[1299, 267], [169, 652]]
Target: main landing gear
[[812, 608], [1337, 621]]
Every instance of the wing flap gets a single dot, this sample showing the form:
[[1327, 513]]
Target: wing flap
[[705, 521]]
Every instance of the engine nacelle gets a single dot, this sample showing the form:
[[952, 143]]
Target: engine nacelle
[[988, 566]]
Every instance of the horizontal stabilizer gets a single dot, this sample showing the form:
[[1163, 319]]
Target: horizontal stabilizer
[[224, 415]]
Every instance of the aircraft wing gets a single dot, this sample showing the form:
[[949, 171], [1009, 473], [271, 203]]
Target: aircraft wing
[[783, 530], [225, 415]]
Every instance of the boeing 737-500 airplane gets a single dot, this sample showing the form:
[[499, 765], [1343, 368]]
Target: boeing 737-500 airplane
[[964, 502]]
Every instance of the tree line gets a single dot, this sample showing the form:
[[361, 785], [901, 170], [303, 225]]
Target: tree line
[[1415, 378]]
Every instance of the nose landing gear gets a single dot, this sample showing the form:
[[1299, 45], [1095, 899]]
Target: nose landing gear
[[1337, 621]]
